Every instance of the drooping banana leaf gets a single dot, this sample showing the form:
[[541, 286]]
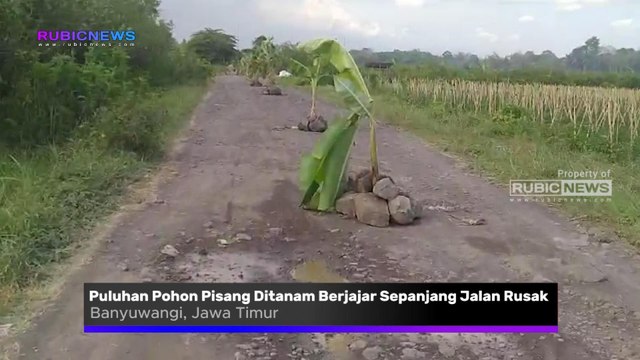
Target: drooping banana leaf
[[322, 171], [305, 68]]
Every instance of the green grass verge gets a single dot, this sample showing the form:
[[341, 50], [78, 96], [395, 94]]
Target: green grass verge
[[51, 197], [518, 149]]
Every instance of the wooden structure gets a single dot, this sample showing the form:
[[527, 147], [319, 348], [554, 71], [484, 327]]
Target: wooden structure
[[379, 65]]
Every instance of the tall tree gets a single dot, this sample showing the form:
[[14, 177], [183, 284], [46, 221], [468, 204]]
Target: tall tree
[[215, 46], [258, 41]]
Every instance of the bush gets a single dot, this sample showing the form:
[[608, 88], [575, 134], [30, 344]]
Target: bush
[[76, 124], [50, 195], [133, 127], [187, 66], [47, 92]]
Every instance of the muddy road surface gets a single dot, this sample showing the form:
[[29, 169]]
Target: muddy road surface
[[236, 173]]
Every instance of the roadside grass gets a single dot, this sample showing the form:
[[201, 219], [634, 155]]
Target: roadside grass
[[519, 148], [50, 198]]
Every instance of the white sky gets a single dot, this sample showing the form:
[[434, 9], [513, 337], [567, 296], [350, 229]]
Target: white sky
[[477, 26]]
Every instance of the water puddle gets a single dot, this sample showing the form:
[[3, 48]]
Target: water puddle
[[338, 347], [315, 271]]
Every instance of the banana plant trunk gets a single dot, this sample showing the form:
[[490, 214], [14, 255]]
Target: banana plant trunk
[[314, 86], [373, 152]]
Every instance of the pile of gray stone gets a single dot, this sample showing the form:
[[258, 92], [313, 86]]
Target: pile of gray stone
[[379, 204], [314, 123], [272, 90]]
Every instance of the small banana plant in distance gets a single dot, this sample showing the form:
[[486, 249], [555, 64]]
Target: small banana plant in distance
[[314, 75], [322, 172]]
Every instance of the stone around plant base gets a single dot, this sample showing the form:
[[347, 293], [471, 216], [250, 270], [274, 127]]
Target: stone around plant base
[[386, 189], [364, 181], [303, 126], [316, 123], [346, 205], [418, 208], [371, 210], [352, 176], [401, 210], [255, 83], [318, 126], [272, 90]]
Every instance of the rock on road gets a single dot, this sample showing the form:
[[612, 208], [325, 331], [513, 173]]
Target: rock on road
[[227, 203]]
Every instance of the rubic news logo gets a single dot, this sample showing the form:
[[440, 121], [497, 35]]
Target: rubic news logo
[[573, 186], [86, 38]]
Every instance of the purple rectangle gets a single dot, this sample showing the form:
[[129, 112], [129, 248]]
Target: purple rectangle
[[313, 329]]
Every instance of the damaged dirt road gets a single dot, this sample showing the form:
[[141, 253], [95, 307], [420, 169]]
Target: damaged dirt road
[[228, 202]]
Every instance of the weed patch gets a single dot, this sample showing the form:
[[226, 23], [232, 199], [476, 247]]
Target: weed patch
[[52, 196]]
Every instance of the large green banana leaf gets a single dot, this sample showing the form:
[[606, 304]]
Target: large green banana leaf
[[322, 171]]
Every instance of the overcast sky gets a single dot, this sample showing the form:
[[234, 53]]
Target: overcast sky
[[478, 26]]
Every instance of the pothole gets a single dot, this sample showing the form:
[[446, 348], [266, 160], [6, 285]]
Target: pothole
[[226, 267], [315, 271]]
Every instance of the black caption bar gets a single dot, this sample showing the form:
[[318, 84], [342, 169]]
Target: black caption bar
[[304, 307]]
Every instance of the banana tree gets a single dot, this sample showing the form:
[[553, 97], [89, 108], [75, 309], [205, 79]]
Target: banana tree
[[251, 67], [314, 76], [255, 67], [322, 172], [267, 54], [243, 65]]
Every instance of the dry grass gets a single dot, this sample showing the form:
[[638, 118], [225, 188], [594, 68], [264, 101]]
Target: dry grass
[[608, 112]]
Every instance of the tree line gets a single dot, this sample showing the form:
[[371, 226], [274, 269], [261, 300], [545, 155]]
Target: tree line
[[590, 64]]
